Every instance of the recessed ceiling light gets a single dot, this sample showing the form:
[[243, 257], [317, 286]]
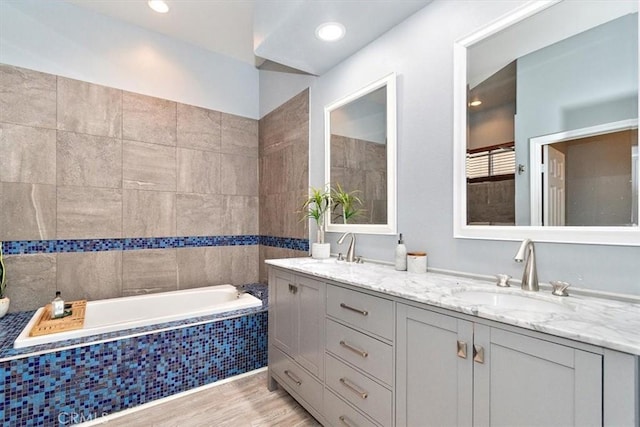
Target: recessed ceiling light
[[330, 31], [159, 6], [475, 103]]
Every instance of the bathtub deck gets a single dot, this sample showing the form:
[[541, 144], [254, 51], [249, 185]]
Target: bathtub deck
[[244, 402]]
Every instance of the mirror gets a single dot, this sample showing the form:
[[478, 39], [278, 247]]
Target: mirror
[[546, 125], [360, 157]]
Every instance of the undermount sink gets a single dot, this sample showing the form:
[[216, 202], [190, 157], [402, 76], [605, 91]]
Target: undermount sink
[[511, 301]]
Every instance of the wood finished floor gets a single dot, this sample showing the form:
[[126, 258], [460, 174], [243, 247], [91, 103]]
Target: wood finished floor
[[239, 403]]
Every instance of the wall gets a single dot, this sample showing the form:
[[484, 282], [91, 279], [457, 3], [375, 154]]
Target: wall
[[420, 51], [284, 178], [63, 39], [106, 193]]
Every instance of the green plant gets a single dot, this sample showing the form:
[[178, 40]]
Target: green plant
[[346, 202], [315, 207], [3, 277]]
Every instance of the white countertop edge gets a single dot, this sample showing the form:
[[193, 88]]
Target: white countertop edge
[[603, 322]]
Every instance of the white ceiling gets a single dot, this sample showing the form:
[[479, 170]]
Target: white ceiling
[[281, 31]]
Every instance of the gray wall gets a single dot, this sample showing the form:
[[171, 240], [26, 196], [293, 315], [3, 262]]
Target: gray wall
[[420, 51], [597, 82]]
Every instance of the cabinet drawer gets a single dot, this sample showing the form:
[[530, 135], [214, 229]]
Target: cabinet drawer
[[364, 311], [339, 414], [366, 353], [299, 380], [365, 394]]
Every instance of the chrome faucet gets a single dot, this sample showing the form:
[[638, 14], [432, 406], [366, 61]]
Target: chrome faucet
[[530, 275], [351, 257]]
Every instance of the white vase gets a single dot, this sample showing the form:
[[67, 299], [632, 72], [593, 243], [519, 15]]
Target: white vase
[[4, 306], [320, 250]]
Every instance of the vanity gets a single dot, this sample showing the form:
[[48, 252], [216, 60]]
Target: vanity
[[365, 345]]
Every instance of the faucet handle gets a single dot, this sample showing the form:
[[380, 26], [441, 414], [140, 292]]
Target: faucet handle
[[340, 256], [560, 288], [503, 280], [359, 260]]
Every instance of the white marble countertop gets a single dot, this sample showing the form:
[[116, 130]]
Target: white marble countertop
[[602, 322]]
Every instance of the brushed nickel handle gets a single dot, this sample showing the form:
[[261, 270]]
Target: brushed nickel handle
[[293, 288], [346, 421], [353, 388], [293, 377], [357, 310], [462, 349], [355, 350], [478, 353]]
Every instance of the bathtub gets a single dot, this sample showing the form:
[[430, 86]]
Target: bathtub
[[117, 314]]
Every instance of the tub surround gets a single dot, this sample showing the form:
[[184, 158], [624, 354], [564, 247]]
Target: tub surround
[[601, 322]]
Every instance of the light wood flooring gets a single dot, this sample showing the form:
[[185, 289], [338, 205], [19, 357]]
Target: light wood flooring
[[239, 403]]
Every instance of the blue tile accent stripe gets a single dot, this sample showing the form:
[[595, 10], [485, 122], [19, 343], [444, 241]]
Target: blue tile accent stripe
[[21, 247]]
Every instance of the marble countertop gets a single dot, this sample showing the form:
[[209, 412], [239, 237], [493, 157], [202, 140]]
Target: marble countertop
[[602, 322]]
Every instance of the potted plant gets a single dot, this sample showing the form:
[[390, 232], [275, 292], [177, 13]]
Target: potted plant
[[344, 203], [4, 300], [315, 207]]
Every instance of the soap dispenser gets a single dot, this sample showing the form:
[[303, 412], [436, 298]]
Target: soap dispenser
[[401, 255], [57, 306]]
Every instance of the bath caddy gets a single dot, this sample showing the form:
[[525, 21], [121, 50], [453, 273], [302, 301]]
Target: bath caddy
[[47, 325]]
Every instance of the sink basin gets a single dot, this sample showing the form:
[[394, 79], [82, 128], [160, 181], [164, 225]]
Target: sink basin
[[511, 301]]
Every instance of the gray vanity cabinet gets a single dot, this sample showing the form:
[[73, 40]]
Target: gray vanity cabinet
[[296, 336], [456, 372]]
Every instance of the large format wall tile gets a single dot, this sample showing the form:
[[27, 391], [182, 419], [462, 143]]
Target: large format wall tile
[[149, 271], [27, 211], [148, 119], [89, 108], [31, 280], [27, 97], [199, 267], [89, 161], [149, 166], [198, 128], [198, 171], [28, 154], [85, 213], [239, 175], [149, 213], [240, 215], [90, 275], [243, 262], [200, 214], [239, 135]]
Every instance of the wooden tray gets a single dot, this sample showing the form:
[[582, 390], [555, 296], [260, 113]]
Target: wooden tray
[[47, 325]]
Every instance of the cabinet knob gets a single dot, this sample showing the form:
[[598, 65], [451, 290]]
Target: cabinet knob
[[462, 349], [293, 288], [478, 353]]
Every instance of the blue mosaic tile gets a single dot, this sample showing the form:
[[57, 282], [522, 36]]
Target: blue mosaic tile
[[285, 242], [63, 387]]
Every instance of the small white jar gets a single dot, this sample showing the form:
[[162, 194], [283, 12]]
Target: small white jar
[[417, 262]]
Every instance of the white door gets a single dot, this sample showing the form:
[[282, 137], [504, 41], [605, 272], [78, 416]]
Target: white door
[[554, 192]]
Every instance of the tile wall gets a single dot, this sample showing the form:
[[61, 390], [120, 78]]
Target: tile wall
[[82, 161], [284, 178]]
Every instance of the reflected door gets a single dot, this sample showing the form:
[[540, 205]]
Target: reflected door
[[554, 185]]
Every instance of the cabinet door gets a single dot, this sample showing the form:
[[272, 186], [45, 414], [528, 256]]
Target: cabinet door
[[309, 324], [281, 311], [528, 381], [433, 383]]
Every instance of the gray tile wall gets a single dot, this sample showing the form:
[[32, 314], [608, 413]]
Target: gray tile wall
[[82, 161], [284, 175]]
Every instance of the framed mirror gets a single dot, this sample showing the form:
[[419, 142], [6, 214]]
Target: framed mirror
[[360, 157], [546, 125]]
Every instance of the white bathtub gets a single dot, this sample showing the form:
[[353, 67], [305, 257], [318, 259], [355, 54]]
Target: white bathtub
[[131, 312]]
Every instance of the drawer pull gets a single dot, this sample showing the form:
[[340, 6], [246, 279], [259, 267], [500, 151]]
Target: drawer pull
[[357, 310], [293, 288], [478, 353], [462, 349], [355, 350], [356, 390], [346, 421], [293, 377]]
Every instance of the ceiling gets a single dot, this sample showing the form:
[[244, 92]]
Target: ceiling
[[264, 32]]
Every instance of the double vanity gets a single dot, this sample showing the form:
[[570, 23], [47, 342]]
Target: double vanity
[[365, 345]]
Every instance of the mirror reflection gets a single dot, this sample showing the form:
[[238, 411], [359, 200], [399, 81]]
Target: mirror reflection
[[358, 151], [552, 117]]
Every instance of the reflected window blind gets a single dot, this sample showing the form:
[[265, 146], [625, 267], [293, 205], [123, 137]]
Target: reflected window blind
[[493, 162]]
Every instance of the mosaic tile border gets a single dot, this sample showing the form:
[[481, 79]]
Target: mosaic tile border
[[23, 247]]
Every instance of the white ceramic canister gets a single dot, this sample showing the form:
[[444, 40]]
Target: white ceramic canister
[[417, 262]]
